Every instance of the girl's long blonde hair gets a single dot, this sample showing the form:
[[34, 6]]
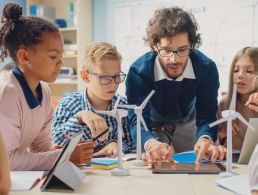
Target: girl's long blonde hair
[[252, 53]]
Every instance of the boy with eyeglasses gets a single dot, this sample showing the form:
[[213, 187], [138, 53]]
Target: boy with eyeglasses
[[102, 75], [186, 86]]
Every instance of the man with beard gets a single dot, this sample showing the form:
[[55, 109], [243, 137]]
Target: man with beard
[[186, 86]]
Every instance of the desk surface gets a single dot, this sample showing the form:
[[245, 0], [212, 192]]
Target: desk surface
[[142, 181]]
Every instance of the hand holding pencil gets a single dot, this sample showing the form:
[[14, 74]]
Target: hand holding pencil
[[95, 122]]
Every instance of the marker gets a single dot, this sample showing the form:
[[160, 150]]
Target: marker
[[100, 135]]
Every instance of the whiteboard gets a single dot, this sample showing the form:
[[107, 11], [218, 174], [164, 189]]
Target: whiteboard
[[225, 26]]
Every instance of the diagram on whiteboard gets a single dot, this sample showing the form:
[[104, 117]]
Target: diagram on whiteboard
[[225, 27]]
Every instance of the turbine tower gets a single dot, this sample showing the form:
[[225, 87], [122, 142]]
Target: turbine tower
[[118, 114]]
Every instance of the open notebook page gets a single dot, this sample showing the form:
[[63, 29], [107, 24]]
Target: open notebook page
[[24, 180]]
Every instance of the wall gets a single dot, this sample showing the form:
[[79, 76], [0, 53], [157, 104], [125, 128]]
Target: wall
[[226, 26]]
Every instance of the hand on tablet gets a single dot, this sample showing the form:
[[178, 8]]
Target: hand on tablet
[[157, 151], [108, 150], [205, 149], [82, 153]]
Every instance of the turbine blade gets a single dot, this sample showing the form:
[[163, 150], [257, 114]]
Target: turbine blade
[[217, 122], [147, 99], [117, 102], [127, 106], [242, 119], [233, 98], [143, 123]]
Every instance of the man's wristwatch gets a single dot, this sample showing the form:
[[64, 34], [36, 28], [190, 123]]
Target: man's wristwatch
[[208, 138]]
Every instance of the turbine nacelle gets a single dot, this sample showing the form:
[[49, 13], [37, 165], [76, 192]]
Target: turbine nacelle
[[231, 114]]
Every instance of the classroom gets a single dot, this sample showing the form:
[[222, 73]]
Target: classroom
[[128, 97]]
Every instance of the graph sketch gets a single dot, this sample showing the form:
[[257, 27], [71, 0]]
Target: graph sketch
[[225, 26]]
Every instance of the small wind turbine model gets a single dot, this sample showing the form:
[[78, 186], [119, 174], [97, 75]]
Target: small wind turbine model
[[118, 114], [140, 120], [229, 116]]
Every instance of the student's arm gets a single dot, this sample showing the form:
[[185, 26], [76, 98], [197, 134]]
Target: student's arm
[[43, 141], [27, 161], [255, 192], [65, 121], [5, 181], [11, 116]]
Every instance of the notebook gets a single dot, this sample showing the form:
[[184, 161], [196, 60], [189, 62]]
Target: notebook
[[25, 180], [104, 163], [236, 184], [250, 141]]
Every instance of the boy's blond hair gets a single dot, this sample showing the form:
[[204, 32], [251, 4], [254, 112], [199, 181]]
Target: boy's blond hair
[[100, 51]]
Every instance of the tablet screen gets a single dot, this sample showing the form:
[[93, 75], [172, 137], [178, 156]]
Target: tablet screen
[[192, 168]]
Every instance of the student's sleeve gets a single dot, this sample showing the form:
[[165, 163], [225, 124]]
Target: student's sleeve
[[136, 91], [43, 141], [19, 158], [207, 104], [253, 170], [128, 145], [65, 121]]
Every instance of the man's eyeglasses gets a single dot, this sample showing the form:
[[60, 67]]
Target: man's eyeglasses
[[106, 80], [169, 52]]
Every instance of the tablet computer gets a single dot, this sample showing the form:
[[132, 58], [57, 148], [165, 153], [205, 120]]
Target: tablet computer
[[190, 168], [51, 181], [249, 143]]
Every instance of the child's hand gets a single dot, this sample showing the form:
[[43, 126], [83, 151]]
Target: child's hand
[[55, 147], [82, 153], [96, 123], [235, 128], [252, 102], [108, 150]]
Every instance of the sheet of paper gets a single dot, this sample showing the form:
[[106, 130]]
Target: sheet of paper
[[24, 180], [237, 184]]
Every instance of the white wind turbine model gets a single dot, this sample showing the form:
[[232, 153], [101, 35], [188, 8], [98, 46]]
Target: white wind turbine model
[[140, 120], [118, 114], [229, 116]]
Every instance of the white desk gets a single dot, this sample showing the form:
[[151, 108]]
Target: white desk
[[142, 181]]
